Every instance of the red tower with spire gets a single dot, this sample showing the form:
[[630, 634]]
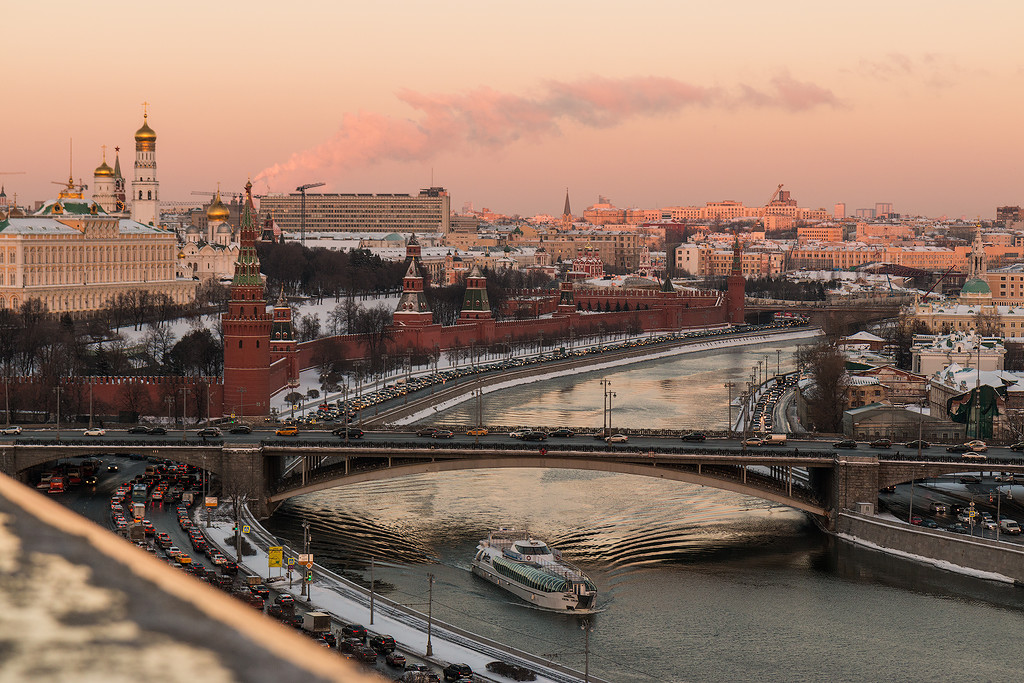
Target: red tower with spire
[[247, 327]]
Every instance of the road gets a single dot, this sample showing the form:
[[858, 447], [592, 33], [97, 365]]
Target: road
[[93, 502], [121, 437]]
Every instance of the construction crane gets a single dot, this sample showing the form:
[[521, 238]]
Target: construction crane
[[764, 211], [941, 278], [302, 216]]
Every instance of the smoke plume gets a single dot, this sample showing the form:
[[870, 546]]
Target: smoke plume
[[487, 119]]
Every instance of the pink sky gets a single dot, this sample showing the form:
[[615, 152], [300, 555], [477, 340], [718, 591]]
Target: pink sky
[[650, 103]]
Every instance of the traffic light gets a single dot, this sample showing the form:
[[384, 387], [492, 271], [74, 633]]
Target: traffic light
[[309, 576]]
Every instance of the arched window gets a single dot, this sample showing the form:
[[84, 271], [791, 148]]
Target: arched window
[[239, 343], [149, 195], [140, 194]]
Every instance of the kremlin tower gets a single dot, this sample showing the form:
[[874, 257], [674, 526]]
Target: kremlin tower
[[103, 186], [145, 188], [247, 327]]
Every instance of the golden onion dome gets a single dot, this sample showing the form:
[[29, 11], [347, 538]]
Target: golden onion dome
[[145, 134], [103, 171], [217, 210]]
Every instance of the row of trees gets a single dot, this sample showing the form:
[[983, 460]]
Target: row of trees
[[322, 272]]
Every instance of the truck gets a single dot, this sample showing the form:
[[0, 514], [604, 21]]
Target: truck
[[1009, 526], [774, 440], [316, 622]]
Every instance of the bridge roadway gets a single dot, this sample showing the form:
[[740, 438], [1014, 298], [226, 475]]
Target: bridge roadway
[[808, 475]]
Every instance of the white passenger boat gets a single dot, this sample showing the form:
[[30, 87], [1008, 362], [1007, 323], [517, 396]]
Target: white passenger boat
[[536, 573]]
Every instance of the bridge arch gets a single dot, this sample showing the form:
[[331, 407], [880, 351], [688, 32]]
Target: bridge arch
[[753, 485]]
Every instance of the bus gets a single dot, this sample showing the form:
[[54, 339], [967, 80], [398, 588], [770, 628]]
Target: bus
[[56, 485]]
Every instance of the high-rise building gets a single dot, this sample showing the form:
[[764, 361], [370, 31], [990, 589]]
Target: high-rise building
[[839, 211], [145, 188], [883, 209], [427, 211]]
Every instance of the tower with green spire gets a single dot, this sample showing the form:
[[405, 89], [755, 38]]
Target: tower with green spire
[[475, 305], [247, 327]]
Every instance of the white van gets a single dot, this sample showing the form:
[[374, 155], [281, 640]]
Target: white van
[[774, 440], [1009, 526]]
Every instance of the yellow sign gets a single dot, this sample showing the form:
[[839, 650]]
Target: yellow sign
[[276, 554]]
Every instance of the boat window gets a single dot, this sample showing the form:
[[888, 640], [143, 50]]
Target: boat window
[[533, 549]]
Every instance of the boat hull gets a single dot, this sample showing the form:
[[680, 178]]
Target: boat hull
[[559, 602]]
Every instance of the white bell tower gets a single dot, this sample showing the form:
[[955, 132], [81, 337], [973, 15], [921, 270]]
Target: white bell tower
[[145, 197]]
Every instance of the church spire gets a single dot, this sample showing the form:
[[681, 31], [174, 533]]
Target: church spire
[[567, 211]]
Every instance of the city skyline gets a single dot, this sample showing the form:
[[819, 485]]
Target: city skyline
[[912, 105]]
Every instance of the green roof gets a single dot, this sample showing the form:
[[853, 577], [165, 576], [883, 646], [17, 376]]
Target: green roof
[[976, 286]]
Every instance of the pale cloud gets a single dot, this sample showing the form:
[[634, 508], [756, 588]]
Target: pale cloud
[[485, 118], [934, 70]]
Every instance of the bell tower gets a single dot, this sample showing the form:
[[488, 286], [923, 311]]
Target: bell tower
[[145, 188]]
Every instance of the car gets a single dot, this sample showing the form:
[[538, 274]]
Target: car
[[157, 431], [112, 468], [917, 443], [383, 644], [443, 434], [11, 430], [354, 631], [617, 438], [287, 431], [939, 508], [477, 431], [518, 434], [930, 524], [90, 480], [988, 524], [427, 431], [218, 559], [365, 654], [353, 432], [284, 600], [562, 433], [969, 479], [329, 638], [977, 445], [958, 448], [454, 672], [535, 436], [241, 429], [753, 441], [845, 443], [694, 436], [395, 659], [138, 429], [260, 590], [916, 521], [208, 431], [1019, 446], [957, 528], [229, 568], [350, 644], [94, 431], [173, 552], [881, 443], [973, 455]]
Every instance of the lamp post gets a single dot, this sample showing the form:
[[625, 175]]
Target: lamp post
[[730, 386], [371, 589], [184, 410], [586, 628], [58, 412], [306, 588], [241, 404], [430, 613], [605, 383], [611, 395], [90, 403]]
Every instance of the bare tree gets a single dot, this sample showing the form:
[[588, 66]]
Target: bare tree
[[827, 398]]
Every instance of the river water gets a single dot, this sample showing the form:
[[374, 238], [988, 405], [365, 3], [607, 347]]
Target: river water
[[696, 584]]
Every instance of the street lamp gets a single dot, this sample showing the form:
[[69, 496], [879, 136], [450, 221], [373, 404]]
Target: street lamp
[[241, 404], [58, 412], [430, 613], [587, 629], [184, 409], [730, 386], [605, 383]]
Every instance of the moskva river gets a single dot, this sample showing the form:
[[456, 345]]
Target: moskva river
[[696, 584]]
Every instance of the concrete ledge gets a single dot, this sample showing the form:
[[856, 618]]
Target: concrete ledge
[[965, 555]]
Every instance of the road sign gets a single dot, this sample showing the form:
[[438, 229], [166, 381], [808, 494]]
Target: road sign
[[291, 561], [211, 501], [304, 559], [309, 565], [246, 528], [276, 553]]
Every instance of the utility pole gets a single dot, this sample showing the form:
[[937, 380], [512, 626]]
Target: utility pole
[[605, 383], [302, 216], [306, 588], [430, 613], [58, 412], [241, 404], [730, 386], [184, 409], [587, 628], [371, 589], [90, 403]]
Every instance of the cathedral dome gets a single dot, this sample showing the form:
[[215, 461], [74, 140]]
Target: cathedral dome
[[103, 171], [976, 286], [217, 210]]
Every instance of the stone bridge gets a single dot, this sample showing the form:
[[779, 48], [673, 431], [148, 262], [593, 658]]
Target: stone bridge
[[819, 482]]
